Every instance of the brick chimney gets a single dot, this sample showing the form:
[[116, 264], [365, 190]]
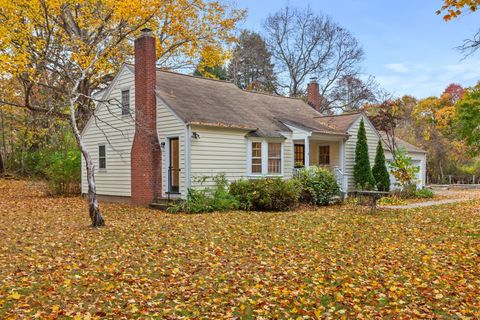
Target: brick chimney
[[146, 157], [313, 94]]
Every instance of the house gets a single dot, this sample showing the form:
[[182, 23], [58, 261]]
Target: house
[[158, 132]]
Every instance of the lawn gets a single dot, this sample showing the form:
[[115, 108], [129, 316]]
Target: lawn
[[328, 263]]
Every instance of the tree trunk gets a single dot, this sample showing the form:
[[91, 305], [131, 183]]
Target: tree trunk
[[2, 165], [93, 207]]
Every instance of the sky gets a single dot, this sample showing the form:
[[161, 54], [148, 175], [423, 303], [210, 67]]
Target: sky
[[408, 48]]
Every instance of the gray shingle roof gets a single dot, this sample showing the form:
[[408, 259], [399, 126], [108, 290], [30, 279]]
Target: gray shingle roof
[[401, 144], [204, 101]]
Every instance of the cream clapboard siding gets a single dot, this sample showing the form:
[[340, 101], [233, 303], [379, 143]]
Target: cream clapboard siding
[[171, 126], [115, 180], [222, 150], [350, 145], [334, 152], [219, 150]]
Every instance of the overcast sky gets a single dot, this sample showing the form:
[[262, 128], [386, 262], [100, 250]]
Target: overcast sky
[[408, 48]]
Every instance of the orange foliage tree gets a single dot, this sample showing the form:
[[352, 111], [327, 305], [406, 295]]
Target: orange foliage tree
[[62, 51]]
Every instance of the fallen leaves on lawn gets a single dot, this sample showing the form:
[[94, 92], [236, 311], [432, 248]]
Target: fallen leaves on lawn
[[328, 263]]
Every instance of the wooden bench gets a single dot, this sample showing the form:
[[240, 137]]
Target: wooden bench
[[373, 196]]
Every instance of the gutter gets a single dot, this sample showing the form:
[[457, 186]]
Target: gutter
[[188, 137]]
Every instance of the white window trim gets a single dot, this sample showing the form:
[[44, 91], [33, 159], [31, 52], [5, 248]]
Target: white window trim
[[129, 101], [98, 150], [264, 159]]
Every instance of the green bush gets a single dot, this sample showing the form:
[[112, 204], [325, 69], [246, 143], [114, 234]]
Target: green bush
[[202, 200], [424, 193], [318, 186], [63, 172], [410, 191], [266, 194]]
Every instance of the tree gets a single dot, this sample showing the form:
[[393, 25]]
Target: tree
[[62, 52], [362, 172], [403, 170], [251, 66], [351, 93], [212, 64], [379, 170], [386, 117], [453, 9], [305, 44], [468, 119]]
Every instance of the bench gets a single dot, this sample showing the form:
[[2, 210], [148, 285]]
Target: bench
[[372, 196]]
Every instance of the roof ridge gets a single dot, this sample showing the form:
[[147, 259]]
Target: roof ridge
[[222, 81], [193, 76], [340, 115]]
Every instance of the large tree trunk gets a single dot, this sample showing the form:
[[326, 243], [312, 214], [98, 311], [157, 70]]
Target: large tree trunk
[[93, 207]]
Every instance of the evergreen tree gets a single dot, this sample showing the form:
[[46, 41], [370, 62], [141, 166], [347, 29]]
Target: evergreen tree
[[251, 67], [362, 173], [379, 170], [217, 72]]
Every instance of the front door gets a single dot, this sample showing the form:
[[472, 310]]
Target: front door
[[174, 166]]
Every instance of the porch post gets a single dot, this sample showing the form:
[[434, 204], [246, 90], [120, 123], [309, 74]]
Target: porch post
[[341, 156], [307, 151], [341, 164]]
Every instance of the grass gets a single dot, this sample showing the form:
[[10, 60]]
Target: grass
[[333, 262]]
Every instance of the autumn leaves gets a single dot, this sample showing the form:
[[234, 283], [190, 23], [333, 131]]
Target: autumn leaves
[[328, 263]]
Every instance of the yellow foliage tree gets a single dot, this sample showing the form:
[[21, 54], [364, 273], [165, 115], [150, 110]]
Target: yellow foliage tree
[[61, 51], [454, 8]]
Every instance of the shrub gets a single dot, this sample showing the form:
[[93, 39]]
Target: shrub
[[403, 170], [318, 186], [424, 193], [379, 171], [410, 191], [266, 194], [62, 171], [362, 173], [201, 200]]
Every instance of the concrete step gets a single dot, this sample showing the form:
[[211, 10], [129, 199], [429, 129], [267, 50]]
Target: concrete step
[[163, 203]]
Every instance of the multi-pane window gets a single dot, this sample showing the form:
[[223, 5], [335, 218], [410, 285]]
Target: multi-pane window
[[125, 102], [324, 155], [256, 157], [299, 154], [102, 157], [274, 158]]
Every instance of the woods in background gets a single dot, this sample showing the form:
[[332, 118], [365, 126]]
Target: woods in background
[[447, 127]]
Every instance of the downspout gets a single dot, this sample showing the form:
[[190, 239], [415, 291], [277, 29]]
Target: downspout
[[188, 137]]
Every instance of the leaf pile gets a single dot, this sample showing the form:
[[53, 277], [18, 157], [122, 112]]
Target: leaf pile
[[330, 263]]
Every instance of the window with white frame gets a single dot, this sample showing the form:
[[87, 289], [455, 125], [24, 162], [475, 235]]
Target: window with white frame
[[102, 157], [125, 102], [274, 158], [256, 157], [265, 158]]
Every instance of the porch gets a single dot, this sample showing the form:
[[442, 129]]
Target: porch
[[326, 151]]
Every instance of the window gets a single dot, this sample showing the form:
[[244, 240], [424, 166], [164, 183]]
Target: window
[[299, 154], [125, 102], [102, 157], [256, 157], [324, 155], [274, 158]]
